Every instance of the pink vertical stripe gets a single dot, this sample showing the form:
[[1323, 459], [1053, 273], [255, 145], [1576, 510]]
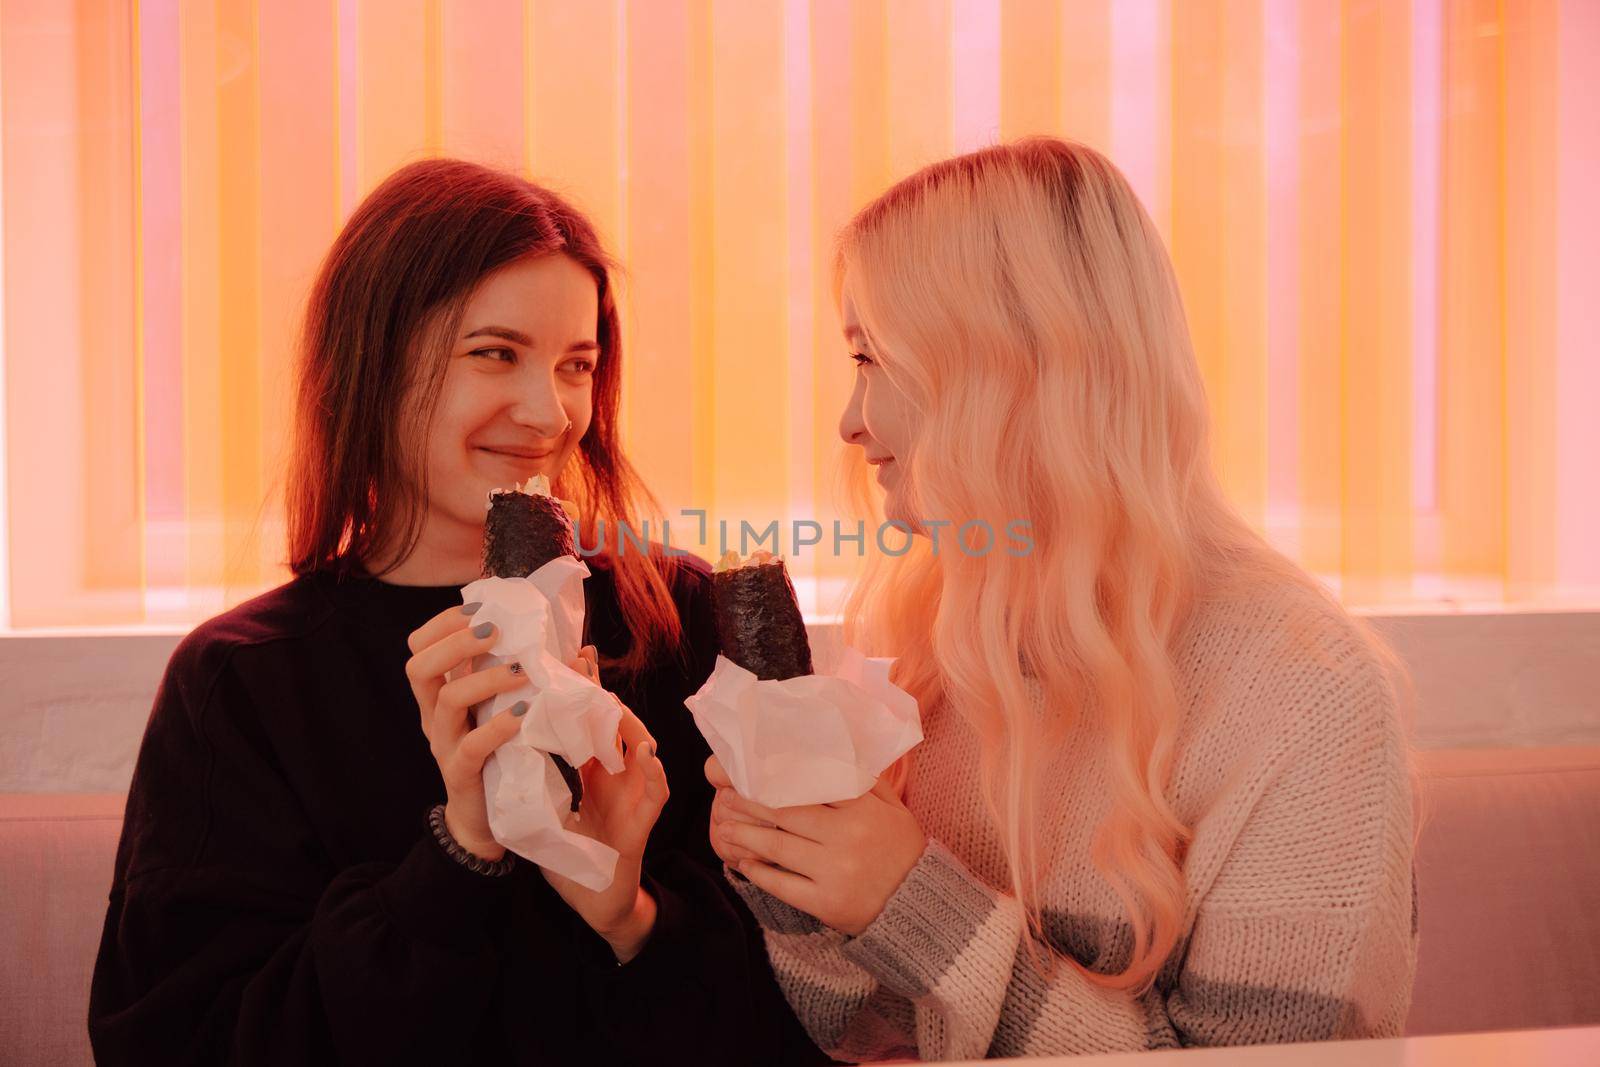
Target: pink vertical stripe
[[1427, 148], [5, 464], [1141, 103], [1578, 301], [161, 259], [1281, 75], [975, 74]]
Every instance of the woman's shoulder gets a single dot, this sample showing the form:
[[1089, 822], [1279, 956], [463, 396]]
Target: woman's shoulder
[[292, 610], [690, 581], [688, 574], [1290, 657], [1282, 684], [1287, 623]]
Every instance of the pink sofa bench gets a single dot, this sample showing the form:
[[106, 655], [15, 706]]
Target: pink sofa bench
[[1508, 870]]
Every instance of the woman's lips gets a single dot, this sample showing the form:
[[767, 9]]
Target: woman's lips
[[516, 453]]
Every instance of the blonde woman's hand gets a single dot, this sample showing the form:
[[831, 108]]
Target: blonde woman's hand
[[722, 811], [618, 810], [446, 688], [838, 862]]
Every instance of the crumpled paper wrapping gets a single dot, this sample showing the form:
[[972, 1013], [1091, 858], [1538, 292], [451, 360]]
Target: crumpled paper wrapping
[[539, 622], [815, 739]]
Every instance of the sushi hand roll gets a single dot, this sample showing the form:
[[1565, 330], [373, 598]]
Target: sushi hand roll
[[758, 618], [527, 528]]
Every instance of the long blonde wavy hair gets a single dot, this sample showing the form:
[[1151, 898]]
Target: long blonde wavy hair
[[1023, 301]]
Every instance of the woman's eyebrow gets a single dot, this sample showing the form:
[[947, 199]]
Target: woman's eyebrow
[[505, 333], [517, 337]]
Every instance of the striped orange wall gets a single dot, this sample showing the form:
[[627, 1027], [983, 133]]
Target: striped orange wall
[[1382, 215]]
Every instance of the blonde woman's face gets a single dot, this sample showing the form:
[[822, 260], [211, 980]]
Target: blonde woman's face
[[878, 419]]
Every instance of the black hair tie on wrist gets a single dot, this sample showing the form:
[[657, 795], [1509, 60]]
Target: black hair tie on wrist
[[453, 849]]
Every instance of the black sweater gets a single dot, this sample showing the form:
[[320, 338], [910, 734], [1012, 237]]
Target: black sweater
[[279, 899]]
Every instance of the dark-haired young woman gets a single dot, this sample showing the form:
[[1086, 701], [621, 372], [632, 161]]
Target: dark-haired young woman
[[306, 874]]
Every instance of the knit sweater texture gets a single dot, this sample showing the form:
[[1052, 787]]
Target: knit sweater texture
[[1292, 770]]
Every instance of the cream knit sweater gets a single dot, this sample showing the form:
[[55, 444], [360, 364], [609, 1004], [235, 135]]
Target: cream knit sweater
[[1292, 770]]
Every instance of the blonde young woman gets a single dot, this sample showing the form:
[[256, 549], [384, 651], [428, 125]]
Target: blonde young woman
[[1164, 795]]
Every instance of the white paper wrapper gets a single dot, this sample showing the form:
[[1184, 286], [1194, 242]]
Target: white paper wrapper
[[540, 624], [817, 739]]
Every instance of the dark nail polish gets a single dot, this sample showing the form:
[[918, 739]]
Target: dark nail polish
[[483, 630], [516, 668], [468, 609], [519, 708]]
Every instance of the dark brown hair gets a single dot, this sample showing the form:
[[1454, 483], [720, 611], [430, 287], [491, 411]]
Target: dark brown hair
[[387, 299]]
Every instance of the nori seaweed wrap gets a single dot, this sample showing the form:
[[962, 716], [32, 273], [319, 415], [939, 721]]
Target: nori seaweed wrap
[[758, 618], [527, 528]]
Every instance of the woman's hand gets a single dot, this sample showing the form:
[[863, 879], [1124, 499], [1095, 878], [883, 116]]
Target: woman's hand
[[839, 862], [444, 644], [618, 810]]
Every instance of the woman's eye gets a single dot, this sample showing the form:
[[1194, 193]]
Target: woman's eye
[[580, 366], [500, 355], [861, 358]]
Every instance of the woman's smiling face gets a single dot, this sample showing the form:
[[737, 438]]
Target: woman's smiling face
[[878, 418], [518, 391]]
